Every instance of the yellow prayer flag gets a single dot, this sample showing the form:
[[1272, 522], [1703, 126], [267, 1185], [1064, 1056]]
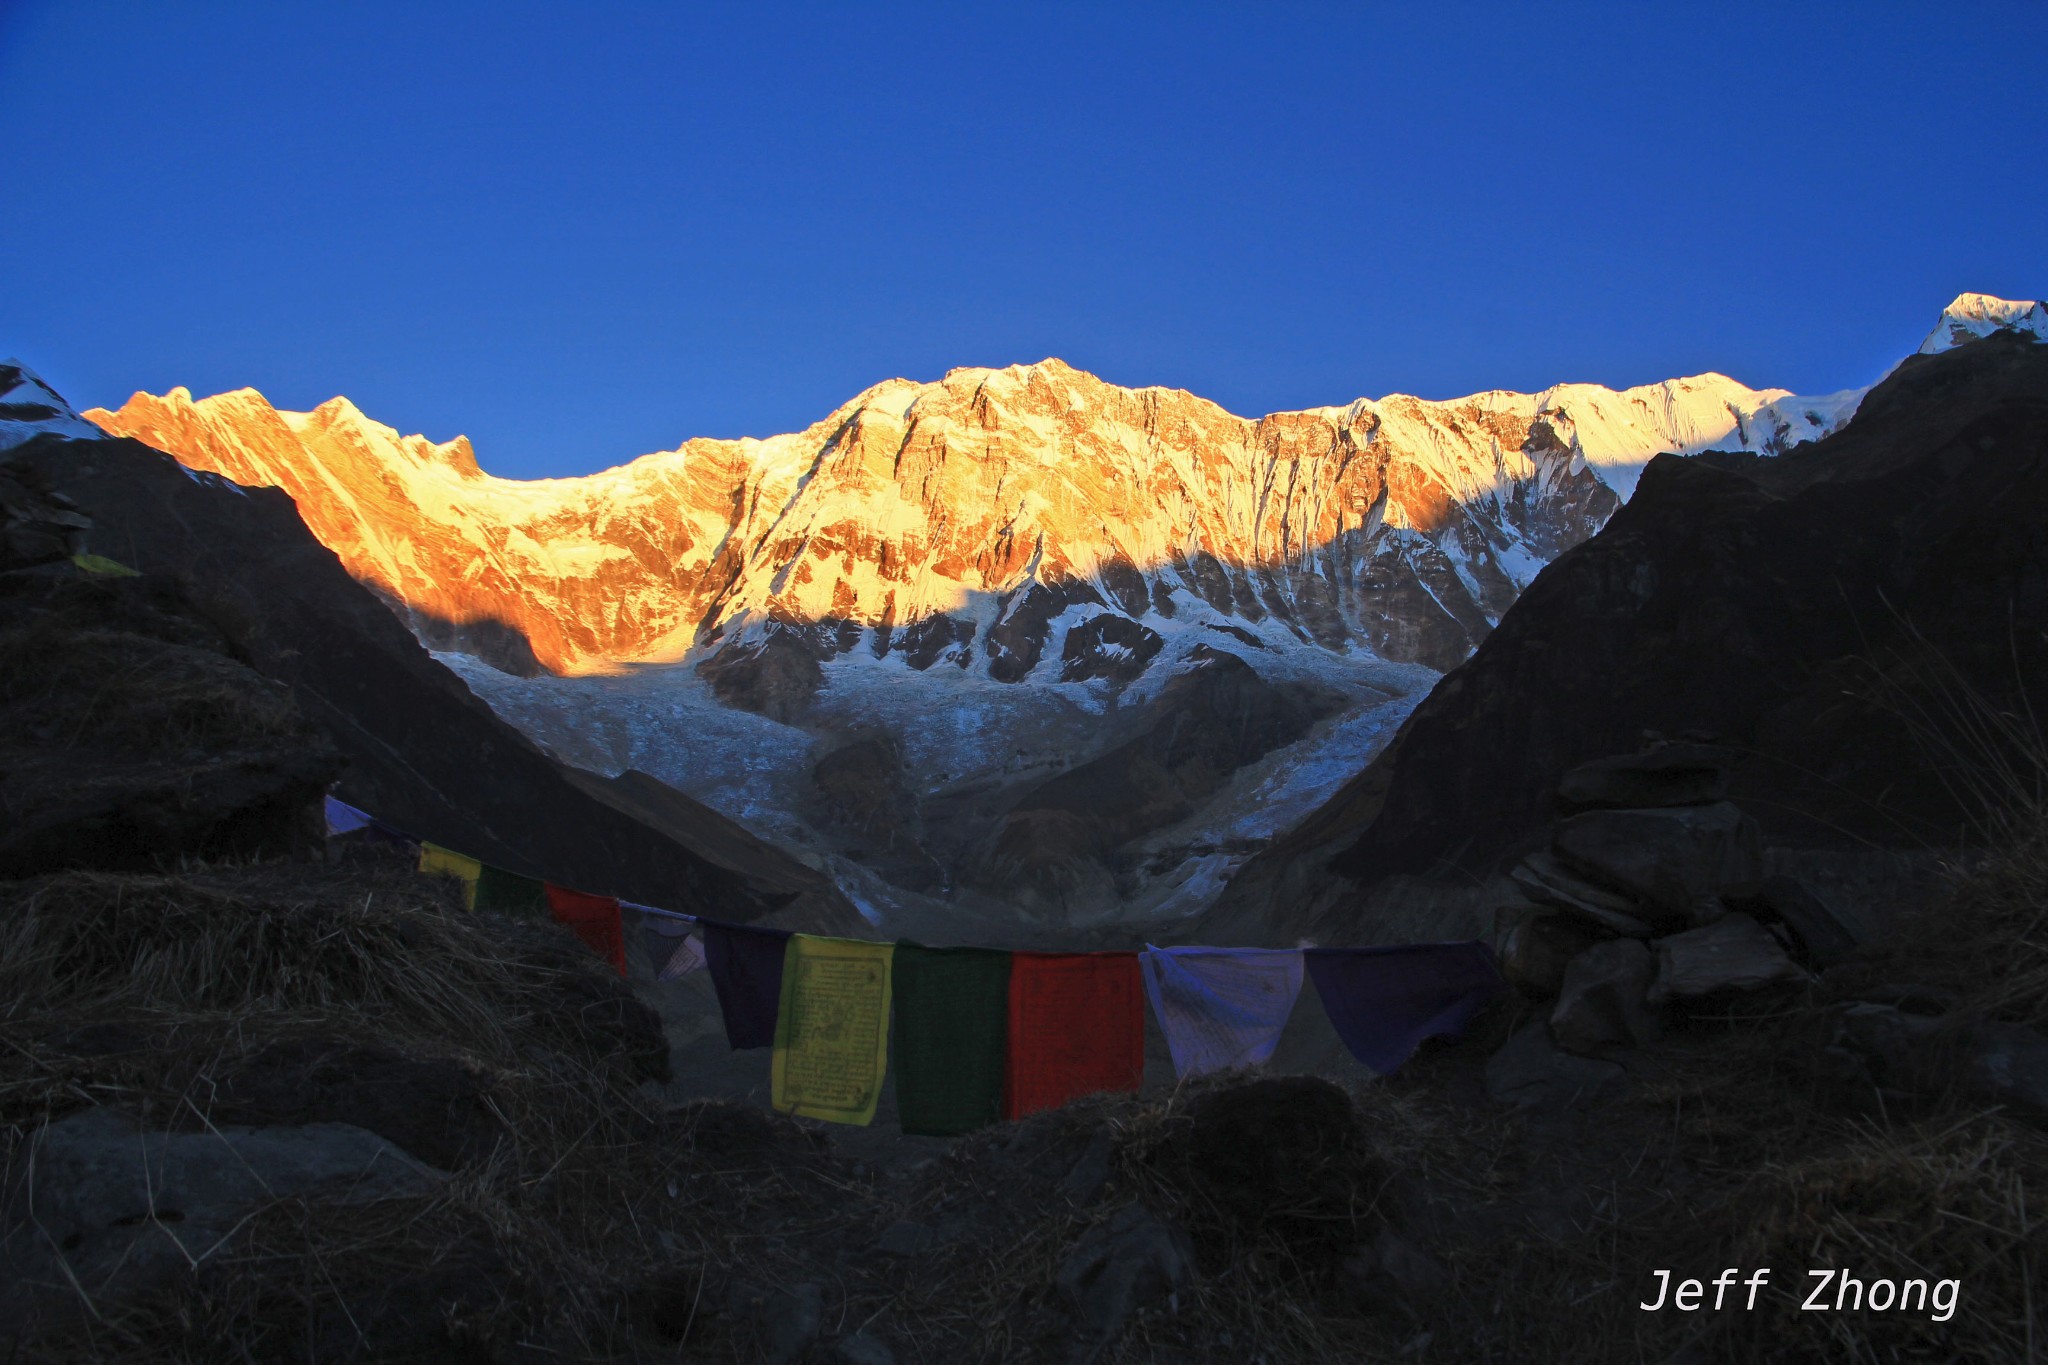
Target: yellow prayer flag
[[832, 1031], [446, 862]]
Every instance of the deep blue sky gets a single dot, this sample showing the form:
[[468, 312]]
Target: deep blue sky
[[580, 233]]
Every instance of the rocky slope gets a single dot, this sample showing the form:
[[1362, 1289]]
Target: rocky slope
[[1861, 622]]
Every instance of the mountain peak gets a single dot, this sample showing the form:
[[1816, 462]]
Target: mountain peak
[[1979, 315], [29, 408]]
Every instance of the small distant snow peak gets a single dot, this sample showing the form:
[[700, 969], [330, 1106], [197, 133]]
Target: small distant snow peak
[[1979, 315]]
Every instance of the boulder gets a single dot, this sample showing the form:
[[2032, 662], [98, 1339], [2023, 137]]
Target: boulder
[[1546, 880], [1674, 864], [1529, 1072], [1864, 890], [1538, 947], [1821, 937], [1604, 1001], [1877, 1057], [1665, 776], [1120, 1266], [118, 1211], [2008, 1063], [1732, 954], [1872, 1057]]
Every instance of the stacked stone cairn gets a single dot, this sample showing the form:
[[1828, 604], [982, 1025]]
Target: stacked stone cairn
[[1650, 895]]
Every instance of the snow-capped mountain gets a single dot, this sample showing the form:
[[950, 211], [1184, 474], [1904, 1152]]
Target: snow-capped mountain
[[1031, 522], [985, 589], [1979, 315], [31, 408]]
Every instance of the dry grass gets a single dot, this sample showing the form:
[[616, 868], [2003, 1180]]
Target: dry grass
[[188, 977], [128, 691], [607, 1227], [1989, 942]]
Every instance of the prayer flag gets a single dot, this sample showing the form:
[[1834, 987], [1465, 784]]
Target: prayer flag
[[446, 862], [508, 893], [952, 1027], [1384, 1002], [1221, 1007], [594, 919], [746, 970], [832, 1032], [1077, 1027], [660, 933], [688, 957], [342, 818]]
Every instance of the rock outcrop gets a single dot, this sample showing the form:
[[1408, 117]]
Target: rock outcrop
[[130, 735], [1818, 615]]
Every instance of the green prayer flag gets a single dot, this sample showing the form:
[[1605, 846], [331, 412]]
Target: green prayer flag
[[952, 1027], [508, 893]]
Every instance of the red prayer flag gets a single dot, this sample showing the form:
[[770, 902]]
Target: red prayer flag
[[594, 919], [1077, 1027]]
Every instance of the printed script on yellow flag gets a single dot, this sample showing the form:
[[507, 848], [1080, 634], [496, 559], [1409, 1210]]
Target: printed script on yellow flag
[[832, 1035]]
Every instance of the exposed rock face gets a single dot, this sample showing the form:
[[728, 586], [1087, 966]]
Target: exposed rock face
[[1820, 937], [1790, 607], [983, 518], [774, 677], [1053, 848]]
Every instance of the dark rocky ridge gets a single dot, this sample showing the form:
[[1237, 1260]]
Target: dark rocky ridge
[[128, 733], [422, 751], [1787, 607]]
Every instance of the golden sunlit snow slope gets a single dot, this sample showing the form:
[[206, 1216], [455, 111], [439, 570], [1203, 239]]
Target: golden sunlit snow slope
[[917, 511]]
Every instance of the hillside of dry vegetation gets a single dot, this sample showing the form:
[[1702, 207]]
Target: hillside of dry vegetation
[[1242, 1218]]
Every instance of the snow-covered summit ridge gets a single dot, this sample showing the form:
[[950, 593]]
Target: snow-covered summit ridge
[[30, 408], [1980, 315], [1031, 521], [916, 501]]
